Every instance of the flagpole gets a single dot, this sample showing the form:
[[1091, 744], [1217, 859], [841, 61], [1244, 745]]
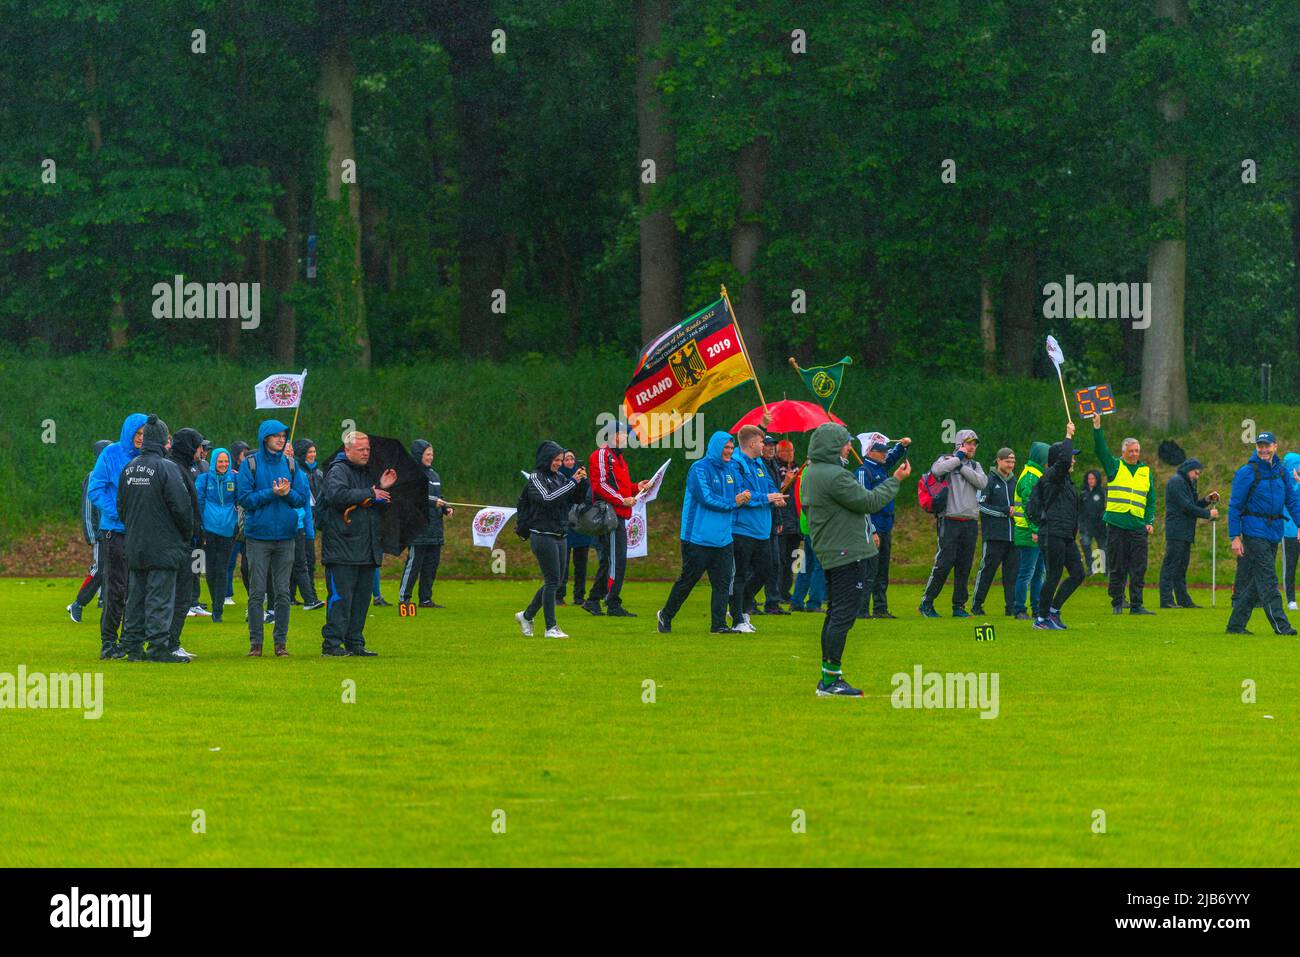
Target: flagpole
[[1061, 380], [473, 505], [294, 424], [828, 414], [743, 350]]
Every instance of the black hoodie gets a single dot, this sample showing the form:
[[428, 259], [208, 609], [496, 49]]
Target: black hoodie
[[185, 442], [1060, 497], [551, 493], [433, 532], [156, 509]]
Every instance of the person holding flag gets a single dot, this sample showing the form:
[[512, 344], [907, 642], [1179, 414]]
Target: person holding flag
[[1130, 517], [879, 459], [610, 481]]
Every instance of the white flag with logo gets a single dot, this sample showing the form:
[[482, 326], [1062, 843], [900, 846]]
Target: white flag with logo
[[1054, 352], [280, 391], [487, 524], [636, 532], [652, 490]]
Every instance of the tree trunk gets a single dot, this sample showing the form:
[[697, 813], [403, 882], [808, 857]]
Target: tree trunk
[[661, 299], [1020, 305], [117, 322], [988, 327], [465, 34], [1164, 369], [1295, 216], [746, 241], [286, 319], [337, 74]]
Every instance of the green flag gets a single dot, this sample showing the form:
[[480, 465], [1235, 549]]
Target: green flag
[[824, 381]]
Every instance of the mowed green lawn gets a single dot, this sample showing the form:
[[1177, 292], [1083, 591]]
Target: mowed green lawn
[[460, 716]]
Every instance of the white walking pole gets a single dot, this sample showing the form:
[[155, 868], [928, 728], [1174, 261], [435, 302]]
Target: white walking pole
[[1214, 546]]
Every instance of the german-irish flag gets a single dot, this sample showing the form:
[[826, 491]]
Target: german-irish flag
[[694, 361]]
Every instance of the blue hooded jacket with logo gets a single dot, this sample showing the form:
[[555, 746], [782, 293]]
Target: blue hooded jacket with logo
[[269, 517], [709, 506], [217, 497], [754, 518], [102, 487]]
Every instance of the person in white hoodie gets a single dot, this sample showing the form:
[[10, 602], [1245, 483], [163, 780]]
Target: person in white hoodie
[[958, 526]]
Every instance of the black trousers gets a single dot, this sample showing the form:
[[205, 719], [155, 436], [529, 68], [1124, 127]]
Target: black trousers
[[302, 581], [90, 584], [753, 557], [1173, 573], [787, 544], [150, 605], [579, 554], [549, 552], [112, 552], [875, 583], [1062, 555], [186, 598], [843, 594], [612, 549], [995, 555], [349, 603], [1126, 558], [1255, 585], [1290, 555], [420, 572], [218, 548], [956, 553], [719, 561], [772, 582]]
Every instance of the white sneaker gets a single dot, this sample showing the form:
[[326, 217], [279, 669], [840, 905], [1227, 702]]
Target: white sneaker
[[525, 624], [199, 610], [229, 600], [745, 626], [181, 652], [555, 633], [1292, 606], [191, 613]]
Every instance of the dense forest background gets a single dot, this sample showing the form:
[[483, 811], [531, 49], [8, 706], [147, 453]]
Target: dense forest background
[[606, 165]]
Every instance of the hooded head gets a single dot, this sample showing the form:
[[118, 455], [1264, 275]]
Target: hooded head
[[300, 449], [184, 444], [1057, 452], [417, 450], [1291, 460], [1099, 480], [1189, 464], [216, 461], [546, 452], [130, 426], [155, 434], [717, 442], [826, 442], [1038, 453], [267, 429]]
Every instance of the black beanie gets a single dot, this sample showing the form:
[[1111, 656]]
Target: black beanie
[[155, 430]]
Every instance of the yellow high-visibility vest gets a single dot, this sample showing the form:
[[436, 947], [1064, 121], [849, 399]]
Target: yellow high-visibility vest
[[1021, 521], [1128, 490]]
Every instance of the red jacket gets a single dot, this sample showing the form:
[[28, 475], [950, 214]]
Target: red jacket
[[607, 472]]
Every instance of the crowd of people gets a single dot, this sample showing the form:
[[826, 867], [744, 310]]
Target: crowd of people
[[162, 510], [159, 507]]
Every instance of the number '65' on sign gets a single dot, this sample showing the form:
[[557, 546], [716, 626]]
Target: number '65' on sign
[[1094, 400]]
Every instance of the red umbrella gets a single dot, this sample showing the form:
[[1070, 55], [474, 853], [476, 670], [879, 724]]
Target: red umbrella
[[789, 415]]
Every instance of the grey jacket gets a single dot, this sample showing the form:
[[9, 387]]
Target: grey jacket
[[965, 482]]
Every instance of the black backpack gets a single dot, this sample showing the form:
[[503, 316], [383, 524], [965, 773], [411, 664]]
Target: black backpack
[[1038, 504], [524, 513]]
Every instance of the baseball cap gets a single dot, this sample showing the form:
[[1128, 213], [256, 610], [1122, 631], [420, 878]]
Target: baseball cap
[[1265, 437], [769, 440]]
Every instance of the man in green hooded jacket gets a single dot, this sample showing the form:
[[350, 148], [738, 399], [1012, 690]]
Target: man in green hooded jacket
[[1033, 566], [837, 507]]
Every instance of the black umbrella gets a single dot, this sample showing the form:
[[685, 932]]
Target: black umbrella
[[407, 515]]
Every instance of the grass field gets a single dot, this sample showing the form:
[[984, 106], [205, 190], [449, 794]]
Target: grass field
[[461, 716]]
